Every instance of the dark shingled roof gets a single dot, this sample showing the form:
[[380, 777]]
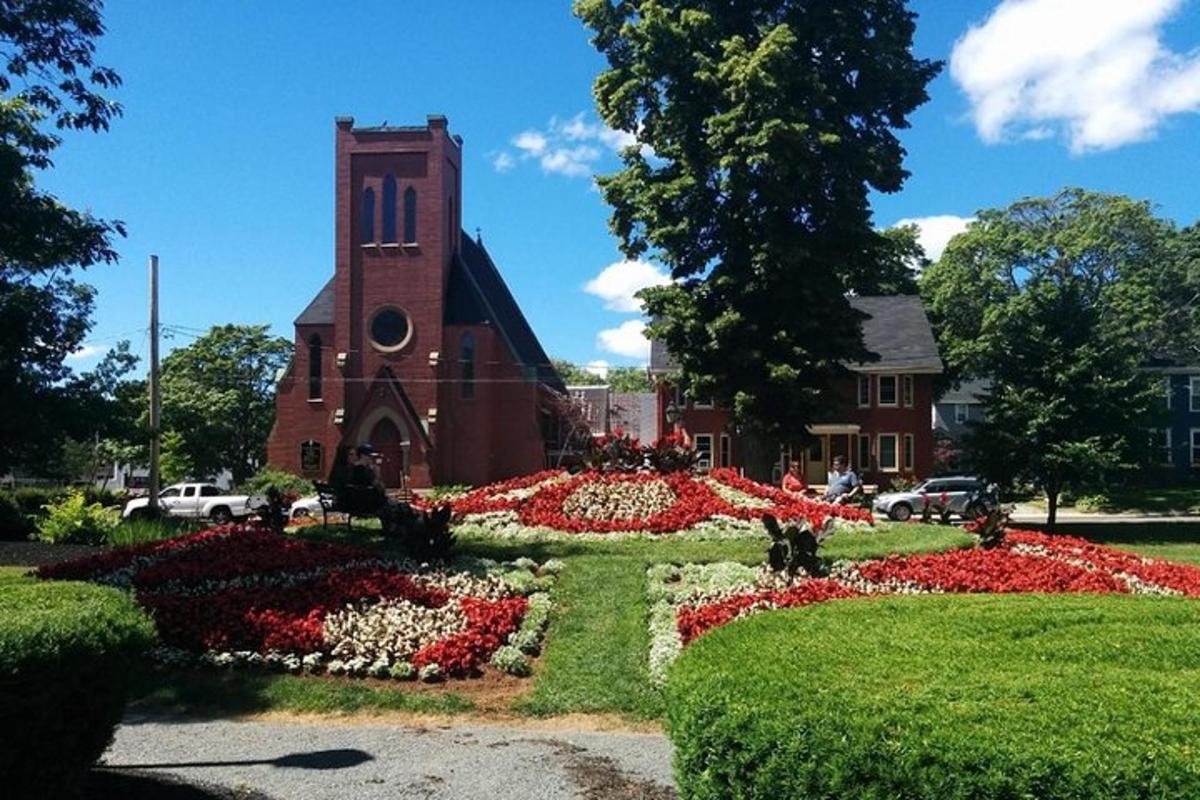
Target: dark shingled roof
[[320, 310], [476, 294], [896, 329]]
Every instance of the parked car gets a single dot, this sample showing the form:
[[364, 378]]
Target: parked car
[[198, 500], [967, 496], [305, 507]]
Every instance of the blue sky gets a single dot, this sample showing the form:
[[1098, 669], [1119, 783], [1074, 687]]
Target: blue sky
[[223, 162]]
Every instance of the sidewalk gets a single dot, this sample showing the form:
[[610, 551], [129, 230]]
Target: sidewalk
[[339, 758]]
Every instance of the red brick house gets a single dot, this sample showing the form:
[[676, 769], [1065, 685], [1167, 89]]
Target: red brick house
[[415, 345], [882, 422]]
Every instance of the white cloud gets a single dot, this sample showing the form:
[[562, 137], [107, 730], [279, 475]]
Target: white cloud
[[87, 351], [617, 284], [570, 147], [599, 368], [503, 161], [1096, 72], [627, 339], [936, 232], [530, 143]]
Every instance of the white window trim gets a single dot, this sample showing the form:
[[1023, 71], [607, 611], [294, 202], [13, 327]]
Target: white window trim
[[1167, 380], [910, 447], [908, 391], [696, 444], [1195, 447], [1169, 461], [1194, 393], [858, 453], [895, 451], [879, 392], [725, 455], [858, 389], [703, 406], [966, 413]]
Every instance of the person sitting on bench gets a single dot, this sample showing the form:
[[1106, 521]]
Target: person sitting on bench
[[793, 481], [844, 485]]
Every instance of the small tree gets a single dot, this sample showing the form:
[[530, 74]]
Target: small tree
[[1057, 302]]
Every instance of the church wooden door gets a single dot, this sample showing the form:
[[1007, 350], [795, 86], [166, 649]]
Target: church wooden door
[[387, 438]]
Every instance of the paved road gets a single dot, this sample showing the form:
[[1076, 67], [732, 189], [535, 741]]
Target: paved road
[[333, 760]]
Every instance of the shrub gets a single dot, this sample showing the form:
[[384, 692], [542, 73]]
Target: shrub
[[150, 529], [67, 651], [270, 478], [73, 520], [1093, 502], [1058, 698], [671, 453], [15, 524], [447, 492]]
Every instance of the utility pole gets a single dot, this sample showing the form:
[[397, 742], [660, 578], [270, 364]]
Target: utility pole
[[155, 391]]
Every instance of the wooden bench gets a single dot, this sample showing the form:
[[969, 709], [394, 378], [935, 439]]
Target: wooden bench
[[353, 501], [819, 489]]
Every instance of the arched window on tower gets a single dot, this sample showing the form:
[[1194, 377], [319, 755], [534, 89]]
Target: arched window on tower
[[314, 367], [389, 209], [468, 366], [410, 215], [368, 215]]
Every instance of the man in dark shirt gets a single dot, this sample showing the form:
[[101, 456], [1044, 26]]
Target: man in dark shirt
[[844, 485]]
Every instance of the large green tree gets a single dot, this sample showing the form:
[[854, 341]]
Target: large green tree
[[48, 82], [218, 399], [1058, 302], [762, 125]]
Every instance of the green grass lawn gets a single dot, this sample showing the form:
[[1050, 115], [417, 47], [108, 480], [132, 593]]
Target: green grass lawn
[[1146, 500]]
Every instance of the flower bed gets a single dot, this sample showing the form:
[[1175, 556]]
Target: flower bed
[[605, 503], [245, 595], [691, 600]]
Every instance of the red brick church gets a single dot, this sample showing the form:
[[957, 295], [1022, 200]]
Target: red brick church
[[415, 345]]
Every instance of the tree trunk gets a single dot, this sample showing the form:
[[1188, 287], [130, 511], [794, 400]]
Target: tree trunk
[[1051, 506]]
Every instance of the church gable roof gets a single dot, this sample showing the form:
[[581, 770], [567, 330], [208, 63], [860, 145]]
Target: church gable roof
[[477, 293], [321, 310]]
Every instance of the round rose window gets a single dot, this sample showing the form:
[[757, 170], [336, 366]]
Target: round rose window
[[390, 329]]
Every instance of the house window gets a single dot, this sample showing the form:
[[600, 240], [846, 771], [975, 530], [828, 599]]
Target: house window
[[864, 452], [704, 449], [1196, 447], [907, 385], [961, 413], [705, 403], [389, 209], [314, 367], [1167, 382], [887, 391], [310, 457], [1194, 393], [368, 215], [1160, 440], [908, 452], [726, 450], [864, 391], [410, 215], [887, 453], [468, 366]]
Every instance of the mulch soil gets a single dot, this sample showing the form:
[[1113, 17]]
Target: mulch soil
[[35, 554]]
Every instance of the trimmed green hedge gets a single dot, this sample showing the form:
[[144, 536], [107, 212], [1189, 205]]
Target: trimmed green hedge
[[948, 697], [67, 652]]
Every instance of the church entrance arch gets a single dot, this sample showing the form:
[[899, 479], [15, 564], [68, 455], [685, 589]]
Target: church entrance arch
[[389, 436]]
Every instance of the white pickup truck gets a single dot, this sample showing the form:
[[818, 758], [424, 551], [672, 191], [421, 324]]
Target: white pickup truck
[[198, 500]]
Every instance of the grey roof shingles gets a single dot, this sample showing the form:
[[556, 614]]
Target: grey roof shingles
[[476, 294], [896, 329]]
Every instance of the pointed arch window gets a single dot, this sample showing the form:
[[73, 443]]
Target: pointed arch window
[[468, 366], [315, 351], [410, 215], [368, 215], [389, 210]]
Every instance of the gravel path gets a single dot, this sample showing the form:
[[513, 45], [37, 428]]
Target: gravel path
[[333, 760]]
